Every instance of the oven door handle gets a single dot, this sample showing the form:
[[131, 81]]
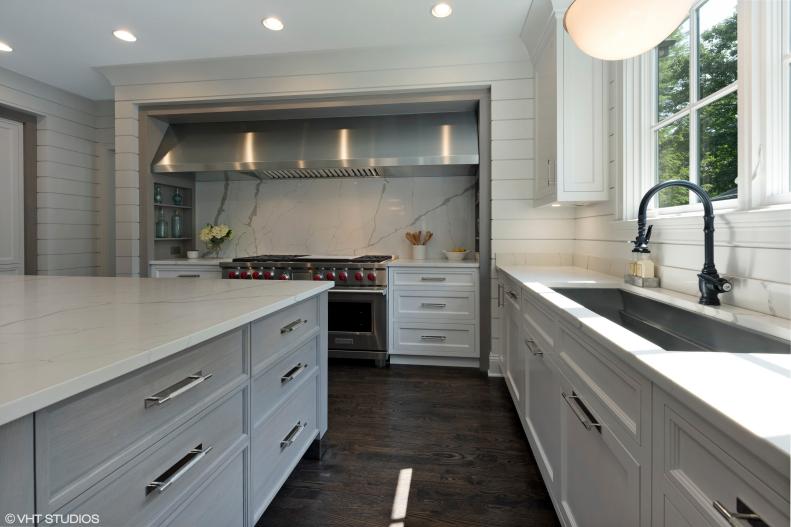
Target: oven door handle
[[382, 292]]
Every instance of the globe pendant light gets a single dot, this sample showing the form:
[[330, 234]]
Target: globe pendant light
[[620, 29]]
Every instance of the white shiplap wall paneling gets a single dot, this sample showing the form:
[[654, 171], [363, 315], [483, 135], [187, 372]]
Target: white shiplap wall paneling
[[69, 128]]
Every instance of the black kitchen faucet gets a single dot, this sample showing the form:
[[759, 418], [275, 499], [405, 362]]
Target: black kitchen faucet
[[709, 281]]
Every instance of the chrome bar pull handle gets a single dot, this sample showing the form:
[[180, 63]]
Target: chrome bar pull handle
[[184, 385], [430, 304], [440, 338], [432, 278], [535, 350], [188, 276], [576, 405], [734, 518], [288, 328], [195, 455], [293, 434], [293, 373]]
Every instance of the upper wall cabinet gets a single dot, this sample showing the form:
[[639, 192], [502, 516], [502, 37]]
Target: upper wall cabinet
[[571, 130]]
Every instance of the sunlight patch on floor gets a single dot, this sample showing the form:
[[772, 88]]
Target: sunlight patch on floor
[[401, 498]]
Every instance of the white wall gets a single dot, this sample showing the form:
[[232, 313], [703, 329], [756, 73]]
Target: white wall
[[68, 172], [751, 248], [503, 66]]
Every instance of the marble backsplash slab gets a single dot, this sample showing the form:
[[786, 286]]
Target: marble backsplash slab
[[337, 216]]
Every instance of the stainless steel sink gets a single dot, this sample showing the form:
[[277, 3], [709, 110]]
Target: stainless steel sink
[[670, 327]]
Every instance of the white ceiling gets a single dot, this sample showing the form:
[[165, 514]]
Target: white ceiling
[[60, 41]]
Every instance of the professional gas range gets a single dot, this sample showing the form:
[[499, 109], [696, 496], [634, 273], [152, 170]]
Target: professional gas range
[[357, 311]]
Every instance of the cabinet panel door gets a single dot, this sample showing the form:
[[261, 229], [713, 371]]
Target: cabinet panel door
[[514, 358], [695, 465], [546, 120], [600, 480], [543, 399]]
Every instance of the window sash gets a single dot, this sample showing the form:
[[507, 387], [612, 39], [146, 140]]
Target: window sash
[[692, 110]]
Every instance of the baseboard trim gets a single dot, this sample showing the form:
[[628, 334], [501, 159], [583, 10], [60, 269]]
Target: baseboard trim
[[415, 360], [494, 366]]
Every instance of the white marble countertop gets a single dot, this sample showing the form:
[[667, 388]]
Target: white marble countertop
[[437, 262], [751, 390], [62, 335], [190, 261]]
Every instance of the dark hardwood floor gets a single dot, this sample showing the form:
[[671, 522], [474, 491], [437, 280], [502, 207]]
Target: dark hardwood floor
[[456, 429]]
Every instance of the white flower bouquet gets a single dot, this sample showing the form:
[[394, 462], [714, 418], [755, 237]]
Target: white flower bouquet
[[214, 236]]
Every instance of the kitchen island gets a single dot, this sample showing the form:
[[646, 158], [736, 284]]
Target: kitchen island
[[157, 402]]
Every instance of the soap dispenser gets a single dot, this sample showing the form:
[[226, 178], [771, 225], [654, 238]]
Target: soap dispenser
[[642, 271]]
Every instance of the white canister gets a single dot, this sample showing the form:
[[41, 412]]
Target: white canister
[[418, 252], [192, 254]]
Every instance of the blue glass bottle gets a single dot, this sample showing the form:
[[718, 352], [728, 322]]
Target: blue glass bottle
[[162, 224], [176, 225]]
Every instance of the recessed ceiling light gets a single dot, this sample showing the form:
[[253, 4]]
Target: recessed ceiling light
[[123, 34], [556, 204], [441, 10], [5, 47], [273, 23]]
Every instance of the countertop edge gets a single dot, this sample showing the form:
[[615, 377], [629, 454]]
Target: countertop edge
[[767, 450], [469, 264], [56, 393]]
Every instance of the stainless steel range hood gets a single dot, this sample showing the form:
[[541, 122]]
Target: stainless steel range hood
[[385, 146]]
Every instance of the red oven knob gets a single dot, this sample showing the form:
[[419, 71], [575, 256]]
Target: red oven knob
[[283, 276], [245, 275], [233, 274], [330, 275], [267, 275], [317, 276], [358, 276], [342, 276], [256, 275], [371, 277]]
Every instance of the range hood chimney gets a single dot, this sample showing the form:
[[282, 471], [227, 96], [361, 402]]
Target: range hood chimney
[[385, 146]]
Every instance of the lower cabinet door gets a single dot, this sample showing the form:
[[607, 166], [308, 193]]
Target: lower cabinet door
[[543, 394], [221, 502], [279, 442], [515, 360], [699, 476], [600, 480]]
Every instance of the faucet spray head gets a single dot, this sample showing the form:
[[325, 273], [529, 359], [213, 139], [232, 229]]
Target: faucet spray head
[[641, 241]]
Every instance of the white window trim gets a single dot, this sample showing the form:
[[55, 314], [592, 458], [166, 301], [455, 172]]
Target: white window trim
[[763, 119]]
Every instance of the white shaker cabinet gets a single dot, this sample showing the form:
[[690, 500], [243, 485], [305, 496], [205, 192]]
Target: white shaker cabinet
[[701, 475], [513, 347], [433, 313], [543, 410], [599, 484], [571, 129], [200, 268]]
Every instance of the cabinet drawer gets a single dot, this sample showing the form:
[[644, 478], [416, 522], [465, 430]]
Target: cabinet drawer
[[89, 435], [450, 306], [221, 502], [271, 387], [447, 340], [610, 386], [510, 292], [282, 330], [435, 278], [146, 488], [691, 472], [185, 272], [540, 323], [279, 443]]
